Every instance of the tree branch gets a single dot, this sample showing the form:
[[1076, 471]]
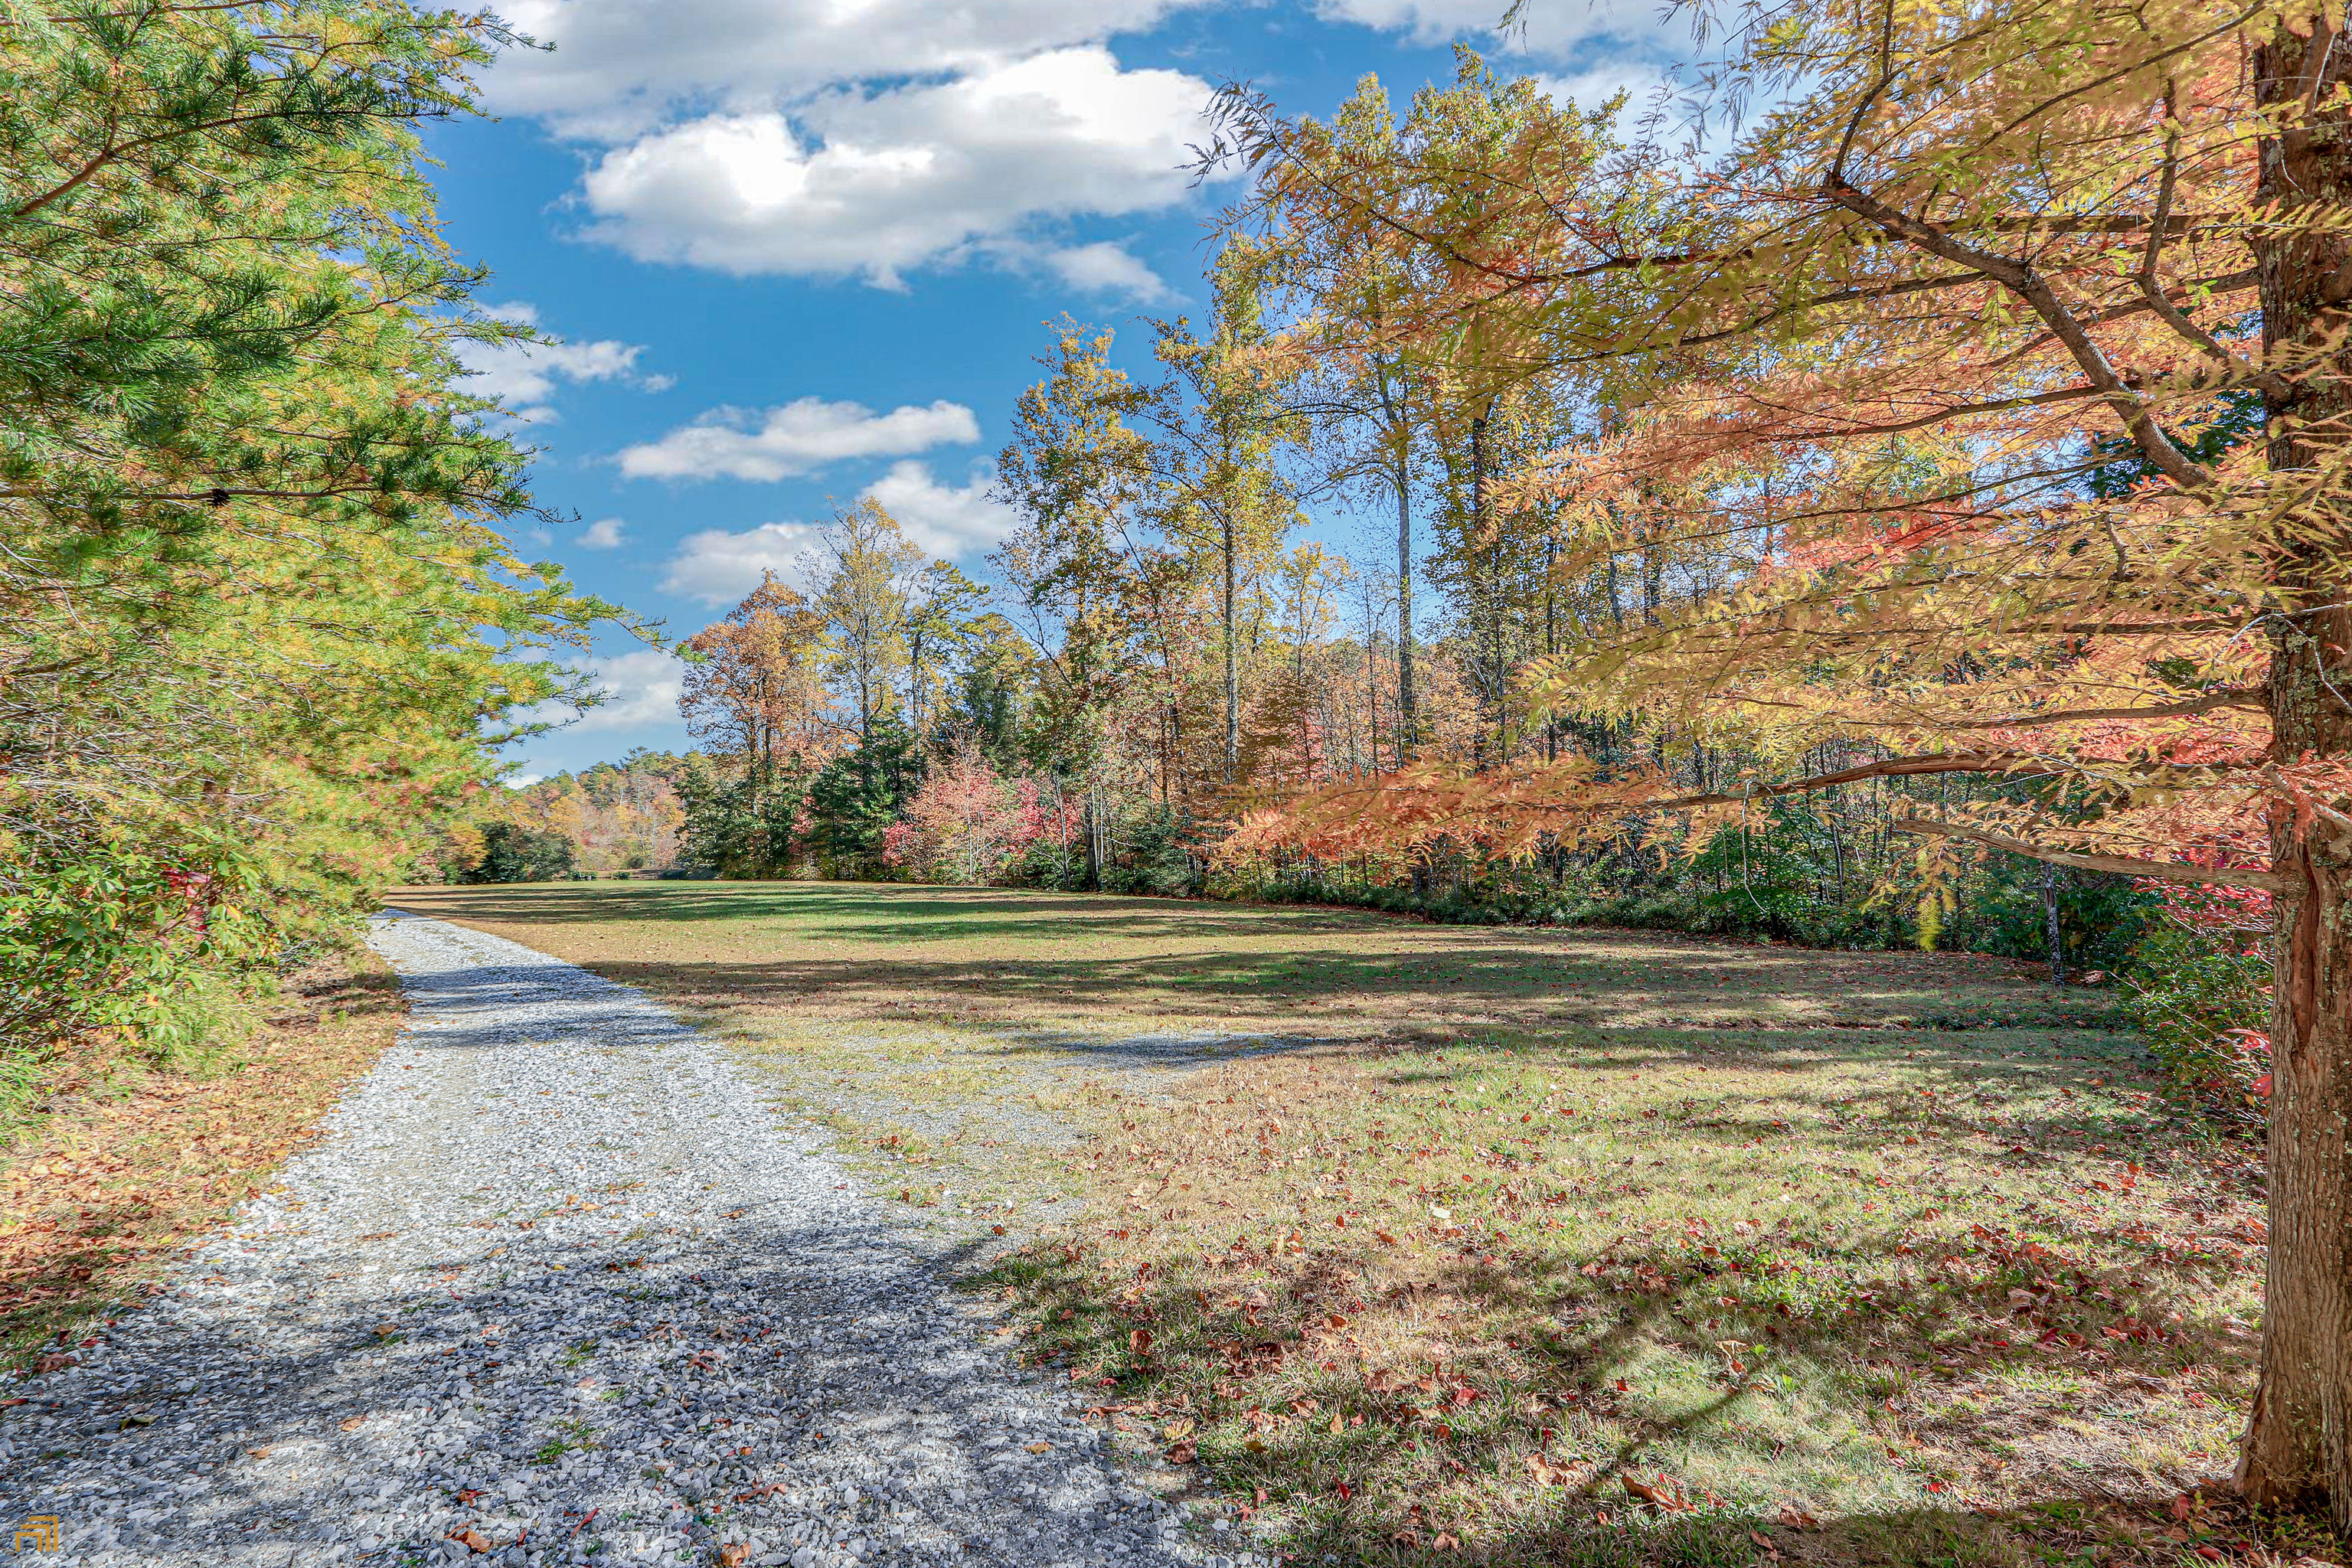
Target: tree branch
[[2158, 870]]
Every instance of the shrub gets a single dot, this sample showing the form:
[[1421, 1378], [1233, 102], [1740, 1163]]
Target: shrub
[[2198, 996]]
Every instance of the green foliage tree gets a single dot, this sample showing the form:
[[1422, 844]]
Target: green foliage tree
[[256, 612]]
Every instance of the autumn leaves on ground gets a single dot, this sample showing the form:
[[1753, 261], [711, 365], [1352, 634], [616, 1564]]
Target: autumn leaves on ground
[[1447, 1244], [110, 1166]]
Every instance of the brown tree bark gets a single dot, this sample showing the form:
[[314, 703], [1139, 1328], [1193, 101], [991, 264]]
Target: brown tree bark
[[2298, 1444]]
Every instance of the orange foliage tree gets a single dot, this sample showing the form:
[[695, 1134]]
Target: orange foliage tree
[[2005, 356]]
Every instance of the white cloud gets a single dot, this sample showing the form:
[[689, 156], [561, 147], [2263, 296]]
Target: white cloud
[[1104, 268], [619, 67], [641, 687], [800, 438], [604, 533], [854, 184], [1591, 87], [943, 521], [521, 780], [1549, 28], [523, 376], [717, 567]]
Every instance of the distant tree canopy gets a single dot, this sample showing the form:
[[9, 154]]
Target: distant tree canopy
[[514, 854]]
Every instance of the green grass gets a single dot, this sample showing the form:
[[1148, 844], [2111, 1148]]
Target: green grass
[[1524, 1246]]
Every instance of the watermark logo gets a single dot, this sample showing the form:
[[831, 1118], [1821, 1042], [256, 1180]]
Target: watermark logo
[[39, 1532]]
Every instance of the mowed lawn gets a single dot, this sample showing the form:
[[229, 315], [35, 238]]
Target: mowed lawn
[[1423, 1244]]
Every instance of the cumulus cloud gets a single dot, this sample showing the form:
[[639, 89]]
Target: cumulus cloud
[[524, 376], [872, 186], [1553, 31], [715, 568], [800, 438], [1104, 268], [604, 533], [619, 67], [943, 520], [640, 687]]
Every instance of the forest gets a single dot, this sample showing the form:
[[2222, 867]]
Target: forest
[[1883, 490], [1602, 672]]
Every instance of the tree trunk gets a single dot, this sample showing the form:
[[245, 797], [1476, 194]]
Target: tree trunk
[[1233, 667], [2050, 919], [2298, 1444], [1094, 843], [1405, 706]]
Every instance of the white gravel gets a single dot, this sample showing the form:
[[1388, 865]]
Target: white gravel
[[557, 1280]]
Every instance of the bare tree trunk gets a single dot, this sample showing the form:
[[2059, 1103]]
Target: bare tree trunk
[[1406, 708], [1233, 667], [2298, 1444], [2050, 919]]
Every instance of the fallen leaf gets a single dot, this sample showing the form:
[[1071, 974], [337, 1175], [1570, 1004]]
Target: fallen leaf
[[260, 1453], [471, 1539], [1181, 1453], [354, 1423], [1041, 1447], [733, 1556]]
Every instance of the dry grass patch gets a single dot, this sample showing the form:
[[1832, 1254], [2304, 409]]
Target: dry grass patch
[[122, 1168]]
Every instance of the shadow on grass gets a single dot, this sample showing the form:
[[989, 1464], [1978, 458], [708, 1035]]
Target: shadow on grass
[[1374, 1462], [1277, 951], [869, 911]]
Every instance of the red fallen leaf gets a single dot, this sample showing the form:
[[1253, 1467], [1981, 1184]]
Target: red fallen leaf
[[471, 1539], [1385, 1238], [2262, 1085], [1345, 1490], [1183, 1453], [2181, 1509], [1796, 1518], [1000, 1231], [1621, 1385], [2210, 1554], [1445, 1541], [1140, 1340]]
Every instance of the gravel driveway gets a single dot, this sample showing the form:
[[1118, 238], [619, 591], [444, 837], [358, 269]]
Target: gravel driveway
[[556, 1288]]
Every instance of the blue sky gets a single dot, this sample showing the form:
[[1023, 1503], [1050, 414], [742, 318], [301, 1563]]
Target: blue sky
[[797, 251]]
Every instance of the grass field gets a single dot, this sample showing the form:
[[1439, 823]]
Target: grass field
[[1437, 1243]]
